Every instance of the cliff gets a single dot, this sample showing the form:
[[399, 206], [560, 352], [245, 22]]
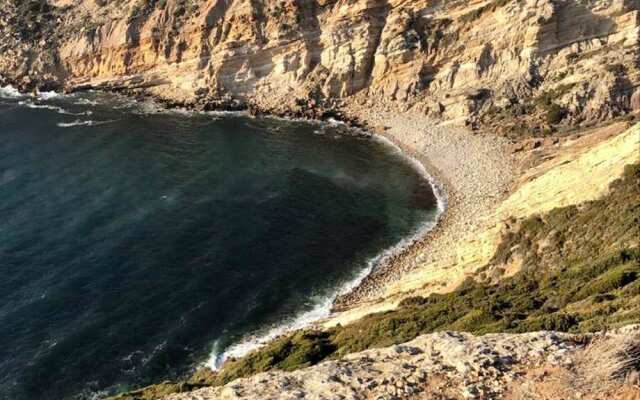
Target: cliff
[[498, 63]]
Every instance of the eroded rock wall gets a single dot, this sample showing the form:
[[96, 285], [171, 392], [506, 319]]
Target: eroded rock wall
[[548, 62]]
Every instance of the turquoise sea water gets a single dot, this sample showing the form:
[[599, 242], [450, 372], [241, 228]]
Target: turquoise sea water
[[135, 245]]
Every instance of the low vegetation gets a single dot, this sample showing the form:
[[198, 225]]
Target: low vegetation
[[552, 111], [579, 273]]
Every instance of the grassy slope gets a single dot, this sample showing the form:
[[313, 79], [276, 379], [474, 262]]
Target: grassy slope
[[580, 273]]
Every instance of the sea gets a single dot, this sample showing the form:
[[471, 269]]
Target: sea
[[138, 243]]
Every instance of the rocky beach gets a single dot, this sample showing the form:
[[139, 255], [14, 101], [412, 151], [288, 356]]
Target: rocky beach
[[471, 172]]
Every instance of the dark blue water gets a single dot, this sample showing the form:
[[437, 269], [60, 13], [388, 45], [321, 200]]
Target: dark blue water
[[131, 247]]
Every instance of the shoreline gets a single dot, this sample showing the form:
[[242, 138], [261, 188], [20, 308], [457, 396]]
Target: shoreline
[[392, 264], [446, 203], [450, 163], [326, 309]]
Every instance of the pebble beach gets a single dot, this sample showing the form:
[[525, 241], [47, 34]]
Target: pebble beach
[[472, 173]]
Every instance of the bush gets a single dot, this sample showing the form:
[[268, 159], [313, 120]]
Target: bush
[[536, 298], [609, 281], [475, 320], [412, 301], [307, 348], [554, 322], [555, 114]]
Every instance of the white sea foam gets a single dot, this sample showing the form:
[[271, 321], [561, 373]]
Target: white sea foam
[[149, 107], [9, 92], [221, 113], [41, 106], [83, 123], [74, 123], [57, 109], [322, 308], [334, 122], [48, 95], [12, 93], [101, 394], [85, 102]]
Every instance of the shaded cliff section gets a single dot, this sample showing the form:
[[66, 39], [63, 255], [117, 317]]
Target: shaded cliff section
[[28, 45], [499, 64]]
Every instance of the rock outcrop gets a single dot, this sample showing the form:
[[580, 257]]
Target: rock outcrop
[[450, 365], [481, 62]]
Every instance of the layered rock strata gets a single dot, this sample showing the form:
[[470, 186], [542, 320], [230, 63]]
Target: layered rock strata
[[508, 63]]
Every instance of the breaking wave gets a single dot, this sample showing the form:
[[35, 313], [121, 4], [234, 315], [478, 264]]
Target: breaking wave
[[49, 95], [57, 109], [86, 102], [9, 92], [82, 123]]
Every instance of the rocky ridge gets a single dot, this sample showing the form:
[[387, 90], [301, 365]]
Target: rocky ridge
[[451, 365]]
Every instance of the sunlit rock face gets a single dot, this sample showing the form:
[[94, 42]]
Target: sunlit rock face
[[456, 60]]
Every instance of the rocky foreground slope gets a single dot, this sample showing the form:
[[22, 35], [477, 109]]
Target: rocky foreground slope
[[450, 365], [503, 63]]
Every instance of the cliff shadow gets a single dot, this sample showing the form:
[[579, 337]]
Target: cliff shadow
[[377, 22], [307, 17]]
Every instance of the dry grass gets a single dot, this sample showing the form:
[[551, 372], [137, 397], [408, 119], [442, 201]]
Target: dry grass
[[609, 358], [607, 367]]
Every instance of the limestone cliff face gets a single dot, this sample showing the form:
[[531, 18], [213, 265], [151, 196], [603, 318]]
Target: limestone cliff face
[[479, 61]]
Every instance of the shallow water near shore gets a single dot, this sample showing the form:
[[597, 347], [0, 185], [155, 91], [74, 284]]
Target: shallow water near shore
[[137, 245]]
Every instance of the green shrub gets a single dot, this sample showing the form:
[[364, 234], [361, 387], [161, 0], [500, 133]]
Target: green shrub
[[474, 320], [412, 301], [553, 322], [555, 114], [536, 298], [609, 281], [307, 348]]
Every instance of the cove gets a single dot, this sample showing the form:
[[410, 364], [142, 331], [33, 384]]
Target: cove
[[134, 243]]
